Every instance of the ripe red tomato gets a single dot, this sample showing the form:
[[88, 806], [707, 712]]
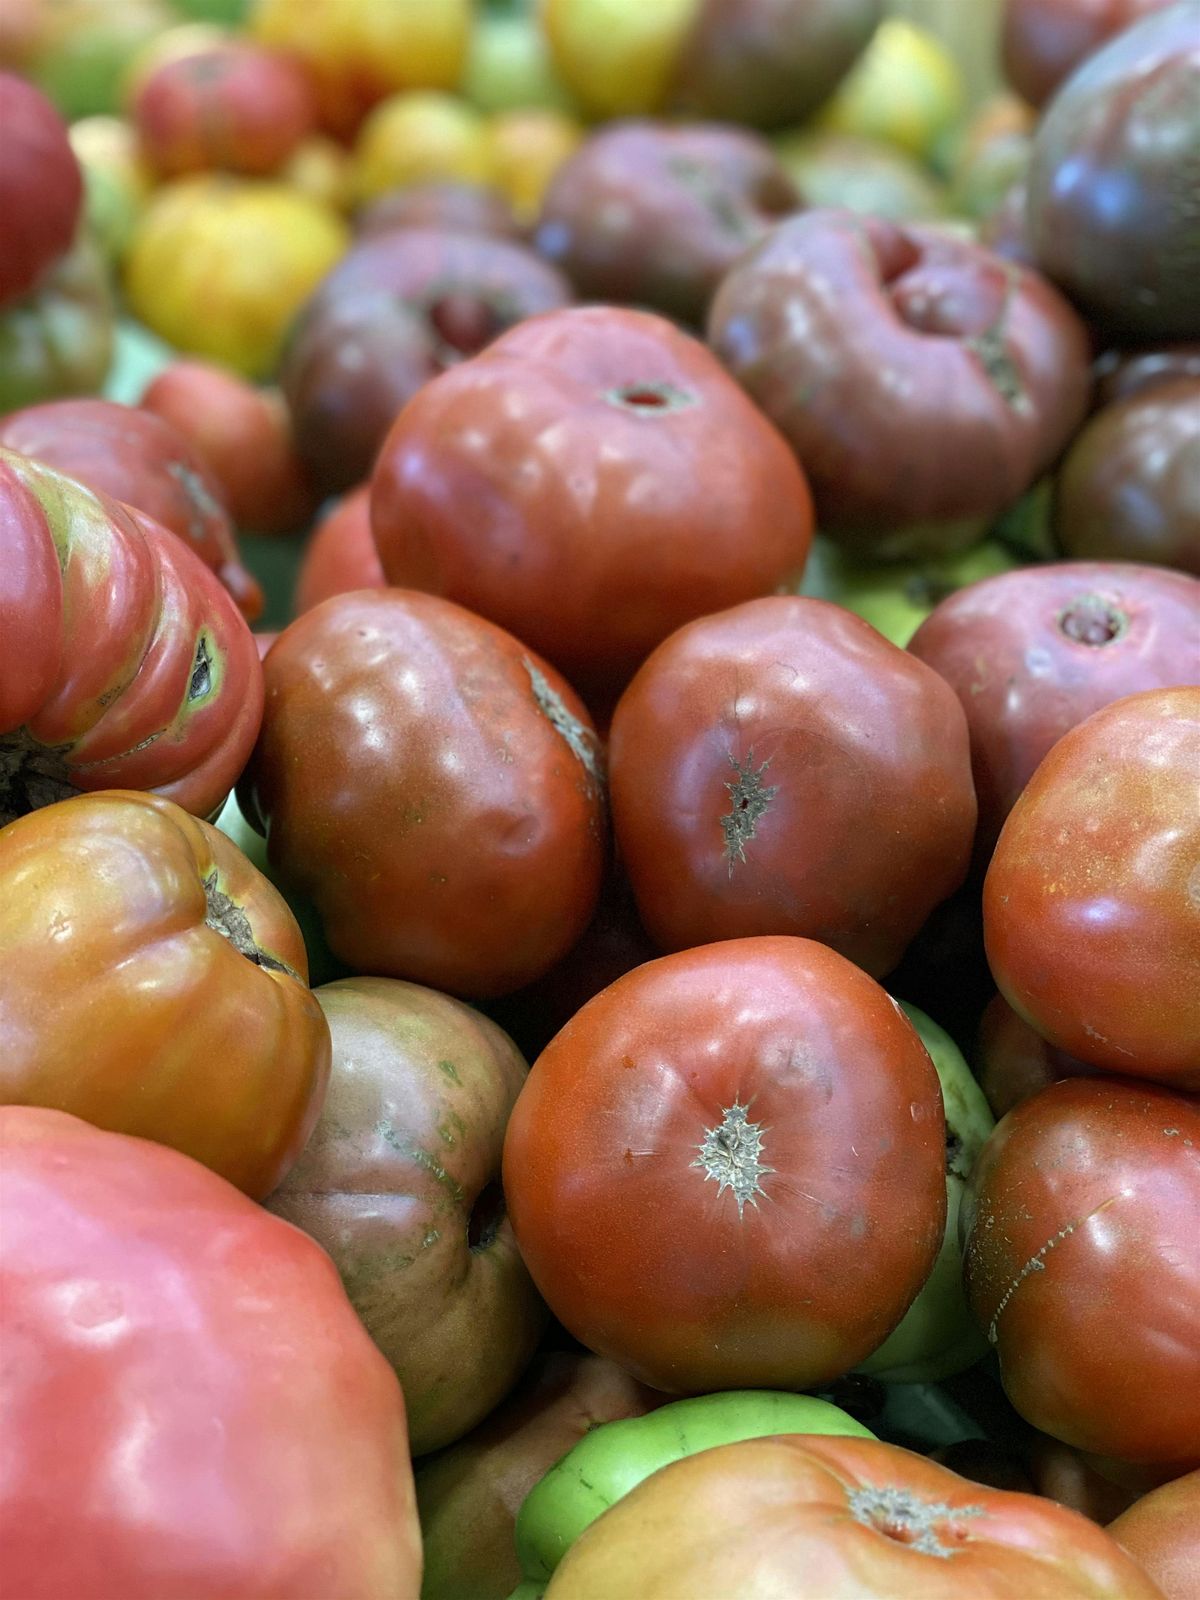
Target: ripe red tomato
[[341, 556], [126, 663], [192, 1409], [1092, 901], [1162, 1531], [782, 768], [1079, 1237], [592, 481], [728, 1170], [41, 187]]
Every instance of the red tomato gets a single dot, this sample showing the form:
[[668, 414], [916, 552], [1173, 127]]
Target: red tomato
[[126, 663], [592, 481], [1092, 902], [1045, 40], [192, 1409], [1014, 1062], [728, 1170], [782, 768], [1079, 1233], [41, 187], [1162, 1531], [341, 556]]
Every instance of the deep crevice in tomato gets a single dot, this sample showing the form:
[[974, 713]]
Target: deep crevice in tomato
[[32, 775], [226, 917], [487, 1215]]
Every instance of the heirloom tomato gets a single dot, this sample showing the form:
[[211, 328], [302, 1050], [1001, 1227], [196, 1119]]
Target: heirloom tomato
[[59, 339], [1162, 1531], [41, 187], [1043, 41], [341, 556]]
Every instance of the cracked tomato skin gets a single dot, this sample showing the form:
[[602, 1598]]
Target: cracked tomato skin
[[433, 787], [843, 1518], [1084, 1203], [592, 481], [965, 374], [728, 1170], [1091, 904], [781, 768], [192, 1409], [125, 1000], [127, 664]]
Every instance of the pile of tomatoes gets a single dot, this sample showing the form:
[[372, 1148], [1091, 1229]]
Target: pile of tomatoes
[[640, 1039]]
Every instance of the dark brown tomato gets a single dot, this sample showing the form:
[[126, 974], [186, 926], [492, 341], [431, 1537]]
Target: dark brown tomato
[[433, 787], [1120, 373], [1033, 652], [400, 1183], [1129, 489], [782, 768], [1045, 40], [1113, 181], [1079, 1232], [728, 1170], [1013, 1062], [592, 481], [653, 214], [923, 382], [399, 309], [1091, 904], [457, 205]]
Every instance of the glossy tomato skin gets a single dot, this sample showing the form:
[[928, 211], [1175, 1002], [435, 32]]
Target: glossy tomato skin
[[1085, 1199], [452, 203], [1129, 488], [781, 768], [145, 462], [1013, 1062], [155, 983], [1091, 916], [1162, 1531], [669, 1174], [843, 1518], [130, 666], [653, 214], [1045, 40], [1120, 373], [1111, 204], [835, 315], [41, 187], [232, 1429], [1031, 653], [400, 1183], [433, 787], [341, 555], [592, 481], [401, 308]]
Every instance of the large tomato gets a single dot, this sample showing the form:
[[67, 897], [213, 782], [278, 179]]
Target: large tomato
[[154, 983], [1091, 911], [41, 187], [1162, 1531], [782, 768], [728, 1170], [127, 665], [192, 1410], [1084, 1200], [592, 481], [400, 1182], [842, 1518], [433, 787]]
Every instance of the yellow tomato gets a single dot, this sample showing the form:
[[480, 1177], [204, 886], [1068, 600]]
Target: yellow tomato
[[360, 51], [322, 169], [906, 89], [117, 181], [525, 150], [176, 44], [419, 137], [617, 56], [219, 266]]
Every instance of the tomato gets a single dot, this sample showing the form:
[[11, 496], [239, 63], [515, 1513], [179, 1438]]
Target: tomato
[[1031, 653], [400, 1182], [655, 214], [591, 481], [1121, 373], [145, 462], [450, 204], [341, 554], [860, 174], [219, 266], [1085, 1199], [322, 169], [508, 65], [192, 1409], [1045, 40], [117, 181], [154, 983], [617, 57], [525, 149], [128, 663], [415, 137], [434, 787], [1091, 915], [835, 316], [728, 1170], [1162, 1531], [41, 187], [781, 768], [1014, 1062], [244, 437], [59, 340], [82, 49], [843, 1518], [906, 89]]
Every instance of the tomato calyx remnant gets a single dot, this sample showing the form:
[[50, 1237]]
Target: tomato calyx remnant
[[730, 1153], [649, 399], [749, 798], [228, 919], [1093, 620], [900, 1515], [32, 775]]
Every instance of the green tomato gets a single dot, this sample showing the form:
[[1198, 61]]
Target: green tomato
[[58, 341], [938, 1336], [509, 67], [615, 1458]]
